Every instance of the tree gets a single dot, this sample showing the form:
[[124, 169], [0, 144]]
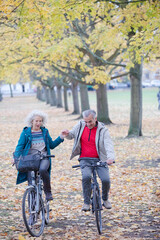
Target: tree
[[126, 28]]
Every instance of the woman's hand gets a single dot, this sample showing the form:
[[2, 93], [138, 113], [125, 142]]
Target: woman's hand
[[65, 133]]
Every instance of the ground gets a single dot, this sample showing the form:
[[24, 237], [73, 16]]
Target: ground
[[135, 189]]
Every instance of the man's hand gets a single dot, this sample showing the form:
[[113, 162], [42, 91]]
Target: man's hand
[[109, 161], [65, 133]]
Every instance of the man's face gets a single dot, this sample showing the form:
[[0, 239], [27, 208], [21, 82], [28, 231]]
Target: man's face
[[90, 121]]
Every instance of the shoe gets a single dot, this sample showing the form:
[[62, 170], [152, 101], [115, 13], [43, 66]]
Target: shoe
[[86, 207], [107, 204], [49, 196]]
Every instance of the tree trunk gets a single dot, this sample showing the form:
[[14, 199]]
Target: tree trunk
[[11, 92], [42, 94], [52, 97], [75, 97], [1, 96], [84, 97], [135, 128], [59, 97], [38, 94], [46, 90], [102, 104], [65, 99]]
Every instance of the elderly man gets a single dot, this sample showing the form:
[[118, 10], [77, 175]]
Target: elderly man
[[92, 142]]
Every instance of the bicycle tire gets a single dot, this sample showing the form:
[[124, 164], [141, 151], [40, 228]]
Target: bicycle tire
[[97, 208], [34, 221], [47, 210]]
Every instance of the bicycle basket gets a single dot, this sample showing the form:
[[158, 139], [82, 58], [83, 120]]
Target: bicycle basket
[[27, 160]]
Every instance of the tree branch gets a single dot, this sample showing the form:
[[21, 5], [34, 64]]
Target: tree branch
[[121, 75], [17, 6]]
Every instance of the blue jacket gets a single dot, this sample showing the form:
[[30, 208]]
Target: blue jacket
[[25, 143]]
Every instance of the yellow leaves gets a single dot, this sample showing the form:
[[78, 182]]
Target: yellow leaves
[[157, 192], [128, 180], [109, 224], [20, 237], [48, 26], [97, 75]]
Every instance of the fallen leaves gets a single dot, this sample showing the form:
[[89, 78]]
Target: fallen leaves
[[20, 237], [135, 189]]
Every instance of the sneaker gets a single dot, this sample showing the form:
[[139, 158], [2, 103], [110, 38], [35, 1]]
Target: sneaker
[[49, 196], [107, 204], [86, 207]]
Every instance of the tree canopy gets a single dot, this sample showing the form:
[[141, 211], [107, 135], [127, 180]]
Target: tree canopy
[[68, 34]]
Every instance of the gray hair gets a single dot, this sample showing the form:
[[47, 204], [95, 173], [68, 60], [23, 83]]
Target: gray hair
[[33, 114], [88, 112]]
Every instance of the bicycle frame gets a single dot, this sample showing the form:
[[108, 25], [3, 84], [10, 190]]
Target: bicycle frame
[[34, 209], [95, 183], [96, 196], [38, 187]]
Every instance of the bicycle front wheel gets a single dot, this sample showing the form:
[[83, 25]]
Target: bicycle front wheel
[[47, 210], [97, 208], [33, 212]]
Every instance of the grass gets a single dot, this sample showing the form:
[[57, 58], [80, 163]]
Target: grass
[[119, 104], [122, 96]]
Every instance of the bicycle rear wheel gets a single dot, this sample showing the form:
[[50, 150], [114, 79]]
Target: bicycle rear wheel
[[34, 216], [97, 208]]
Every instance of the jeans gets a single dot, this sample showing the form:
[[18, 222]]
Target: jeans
[[43, 170], [103, 174]]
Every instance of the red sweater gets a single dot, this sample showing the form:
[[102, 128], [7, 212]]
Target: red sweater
[[88, 143]]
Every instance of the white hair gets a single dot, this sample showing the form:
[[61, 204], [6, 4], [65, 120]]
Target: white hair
[[33, 114], [88, 112]]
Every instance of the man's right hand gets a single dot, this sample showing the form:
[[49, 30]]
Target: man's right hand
[[109, 161]]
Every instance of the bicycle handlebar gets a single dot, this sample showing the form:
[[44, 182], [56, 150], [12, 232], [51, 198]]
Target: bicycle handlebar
[[75, 166], [98, 164], [47, 156]]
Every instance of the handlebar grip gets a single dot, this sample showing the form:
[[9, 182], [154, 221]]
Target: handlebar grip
[[75, 166], [49, 156]]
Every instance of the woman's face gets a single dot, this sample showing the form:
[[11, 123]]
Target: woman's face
[[37, 123]]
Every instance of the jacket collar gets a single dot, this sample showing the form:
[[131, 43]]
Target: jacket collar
[[28, 129]]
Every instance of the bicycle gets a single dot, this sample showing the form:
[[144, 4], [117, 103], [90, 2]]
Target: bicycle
[[96, 194], [35, 210]]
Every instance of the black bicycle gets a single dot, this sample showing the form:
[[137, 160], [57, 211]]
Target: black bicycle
[[35, 208], [96, 194]]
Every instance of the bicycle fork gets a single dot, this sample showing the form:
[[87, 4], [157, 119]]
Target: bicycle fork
[[96, 186]]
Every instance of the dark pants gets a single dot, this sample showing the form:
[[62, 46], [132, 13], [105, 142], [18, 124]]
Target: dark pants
[[103, 174], [43, 170]]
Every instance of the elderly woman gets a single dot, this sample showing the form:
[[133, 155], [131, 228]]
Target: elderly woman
[[36, 136]]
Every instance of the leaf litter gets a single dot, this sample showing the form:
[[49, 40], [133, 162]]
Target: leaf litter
[[135, 185]]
